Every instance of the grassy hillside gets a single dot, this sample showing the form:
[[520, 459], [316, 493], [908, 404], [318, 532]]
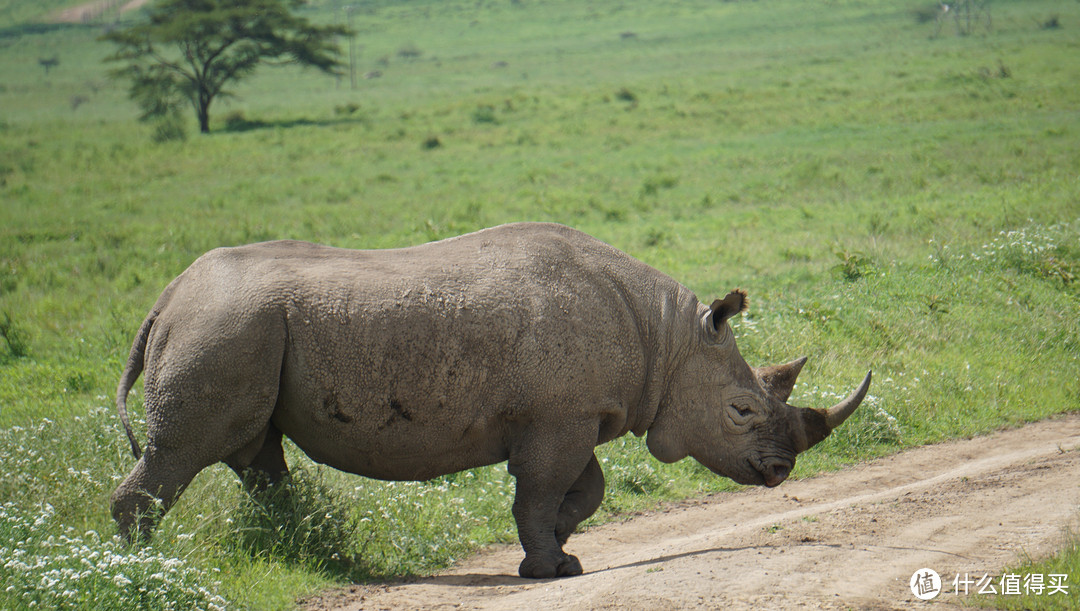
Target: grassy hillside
[[889, 198]]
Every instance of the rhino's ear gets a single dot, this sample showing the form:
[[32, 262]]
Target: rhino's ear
[[723, 309]]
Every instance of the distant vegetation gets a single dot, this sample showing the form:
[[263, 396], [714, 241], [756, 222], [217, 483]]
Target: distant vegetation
[[189, 51], [888, 197]]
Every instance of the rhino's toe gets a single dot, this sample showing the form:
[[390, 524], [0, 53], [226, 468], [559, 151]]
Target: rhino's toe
[[569, 567]]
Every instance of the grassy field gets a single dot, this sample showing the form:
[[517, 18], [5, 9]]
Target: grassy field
[[1030, 583], [888, 197]]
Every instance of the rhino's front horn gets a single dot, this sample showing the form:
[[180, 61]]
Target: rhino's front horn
[[837, 414]]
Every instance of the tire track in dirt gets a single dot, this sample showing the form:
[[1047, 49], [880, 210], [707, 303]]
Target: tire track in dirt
[[847, 539]]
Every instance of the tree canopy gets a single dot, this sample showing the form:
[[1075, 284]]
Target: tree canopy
[[191, 50]]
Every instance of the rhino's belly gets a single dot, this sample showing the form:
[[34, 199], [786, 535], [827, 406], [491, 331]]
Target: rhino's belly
[[394, 439], [406, 455]]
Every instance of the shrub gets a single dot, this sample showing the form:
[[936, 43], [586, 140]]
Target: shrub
[[653, 185], [626, 95], [300, 521], [485, 114], [13, 338], [236, 122], [169, 128], [853, 265], [409, 51], [346, 109], [926, 13]]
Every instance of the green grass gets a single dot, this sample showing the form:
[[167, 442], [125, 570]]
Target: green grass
[[1028, 575], [889, 200]]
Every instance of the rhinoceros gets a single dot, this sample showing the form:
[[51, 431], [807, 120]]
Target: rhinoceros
[[529, 343]]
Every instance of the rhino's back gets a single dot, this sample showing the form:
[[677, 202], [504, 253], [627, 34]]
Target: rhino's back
[[532, 249], [535, 266]]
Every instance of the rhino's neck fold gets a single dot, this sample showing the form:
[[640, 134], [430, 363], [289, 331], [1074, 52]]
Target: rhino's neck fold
[[671, 312]]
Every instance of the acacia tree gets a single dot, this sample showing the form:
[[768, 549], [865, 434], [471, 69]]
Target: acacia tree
[[190, 50]]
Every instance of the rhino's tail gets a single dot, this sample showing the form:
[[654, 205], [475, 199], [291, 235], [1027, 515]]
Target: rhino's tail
[[131, 373]]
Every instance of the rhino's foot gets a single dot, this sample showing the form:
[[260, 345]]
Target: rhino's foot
[[569, 567], [536, 567]]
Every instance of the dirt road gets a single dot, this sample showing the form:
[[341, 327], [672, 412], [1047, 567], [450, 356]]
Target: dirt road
[[842, 540], [89, 11]]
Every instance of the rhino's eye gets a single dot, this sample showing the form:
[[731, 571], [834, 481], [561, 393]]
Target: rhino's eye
[[742, 411]]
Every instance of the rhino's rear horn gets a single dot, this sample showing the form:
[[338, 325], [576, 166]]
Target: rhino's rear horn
[[837, 414], [779, 380]]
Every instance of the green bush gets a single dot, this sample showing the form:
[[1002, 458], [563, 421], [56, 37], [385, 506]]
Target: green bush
[[485, 113], [299, 521], [169, 128], [14, 342]]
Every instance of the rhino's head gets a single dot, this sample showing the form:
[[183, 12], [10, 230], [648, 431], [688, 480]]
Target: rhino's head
[[733, 418]]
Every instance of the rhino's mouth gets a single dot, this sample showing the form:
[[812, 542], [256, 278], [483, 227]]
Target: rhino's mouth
[[772, 472]]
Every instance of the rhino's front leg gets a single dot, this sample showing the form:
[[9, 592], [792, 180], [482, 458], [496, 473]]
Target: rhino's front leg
[[581, 501], [546, 464]]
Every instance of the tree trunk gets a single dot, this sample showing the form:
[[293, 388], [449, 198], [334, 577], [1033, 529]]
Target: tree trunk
[[204, 119], [203, 111]]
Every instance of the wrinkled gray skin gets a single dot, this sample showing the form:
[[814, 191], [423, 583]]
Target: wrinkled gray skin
[[531, 343]]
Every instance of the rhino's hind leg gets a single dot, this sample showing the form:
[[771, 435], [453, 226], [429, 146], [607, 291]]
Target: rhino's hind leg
[[261, 463], [148, 492], [582, 500], [546, 469], [166, 469], [210, 389]]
